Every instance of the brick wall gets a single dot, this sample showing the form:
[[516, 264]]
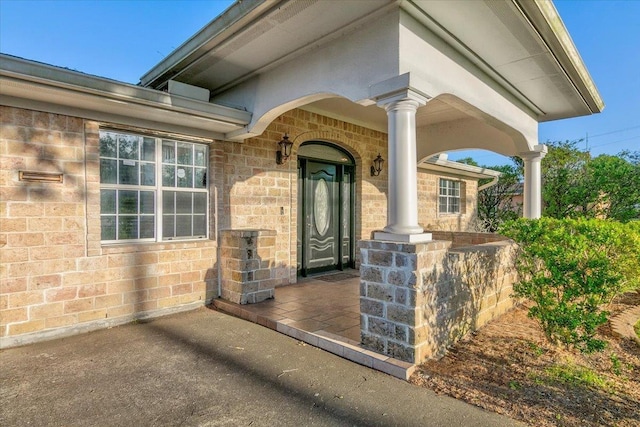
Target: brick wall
[[57, 278], [418, 299], [258, 192], [428, 215]]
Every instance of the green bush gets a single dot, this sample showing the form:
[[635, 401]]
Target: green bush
[[569, 268]]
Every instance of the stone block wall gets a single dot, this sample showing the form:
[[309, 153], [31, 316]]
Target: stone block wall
[[247, 258], [459, 239], [418, 299]]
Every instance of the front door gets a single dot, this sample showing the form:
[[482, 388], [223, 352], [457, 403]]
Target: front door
[[325, 216]]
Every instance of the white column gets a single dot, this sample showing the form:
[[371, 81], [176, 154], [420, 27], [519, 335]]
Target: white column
[[533, 181], [402, 203]]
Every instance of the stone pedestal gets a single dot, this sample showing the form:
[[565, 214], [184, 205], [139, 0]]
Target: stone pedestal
[[247, 258], [416, 299]]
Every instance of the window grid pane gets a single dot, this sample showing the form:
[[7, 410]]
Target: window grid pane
[[130, 181], [449, 196]]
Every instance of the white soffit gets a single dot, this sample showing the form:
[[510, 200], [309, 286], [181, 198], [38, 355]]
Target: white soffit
[[523, 45], [235, 46]]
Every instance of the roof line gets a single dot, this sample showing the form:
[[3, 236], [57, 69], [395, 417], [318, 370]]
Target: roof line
[[545, 19], [234, 18]]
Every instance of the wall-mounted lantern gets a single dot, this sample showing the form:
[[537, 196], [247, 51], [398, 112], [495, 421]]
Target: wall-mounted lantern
[[284, 150], [376, 168]]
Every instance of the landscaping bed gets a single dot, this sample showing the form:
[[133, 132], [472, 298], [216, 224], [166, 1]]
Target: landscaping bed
[[508, 367]]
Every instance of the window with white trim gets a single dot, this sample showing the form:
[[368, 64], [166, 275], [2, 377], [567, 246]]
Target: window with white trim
[[152, 189], [449, 196]]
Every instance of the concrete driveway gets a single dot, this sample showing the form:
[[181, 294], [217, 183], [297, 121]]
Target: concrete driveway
[[209, 369]]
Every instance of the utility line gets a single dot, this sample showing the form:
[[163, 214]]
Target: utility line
[[613, 131]]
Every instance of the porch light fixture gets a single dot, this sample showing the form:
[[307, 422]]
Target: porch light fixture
[[376, 168], [284, 150]]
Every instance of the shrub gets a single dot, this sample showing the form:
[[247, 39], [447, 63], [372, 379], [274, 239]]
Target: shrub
[[569, 268]]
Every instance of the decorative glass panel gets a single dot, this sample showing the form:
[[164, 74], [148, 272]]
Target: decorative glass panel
[[127, 227], [200, 178], [183, 203], [108, 201], [108, 145], [185, 177], [127, 202], [185, 154], [108, 171], [183, 225], [201, 155], [128, 147], [128, 172], [148, 174], [147, 202], [321, 208], [169, 175], [108, 228], [168, 202], [149, 149]]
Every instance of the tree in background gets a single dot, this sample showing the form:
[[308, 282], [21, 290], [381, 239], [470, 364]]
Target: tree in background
[[615, 180], [566, 192], [495, 203]]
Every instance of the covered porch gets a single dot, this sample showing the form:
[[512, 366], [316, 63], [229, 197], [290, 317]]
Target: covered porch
[[323, 311]]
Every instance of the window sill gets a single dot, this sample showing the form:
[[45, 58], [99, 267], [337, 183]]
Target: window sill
[[121, 248]]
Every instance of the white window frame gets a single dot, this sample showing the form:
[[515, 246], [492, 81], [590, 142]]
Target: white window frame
[[158, 189], [449, 195]]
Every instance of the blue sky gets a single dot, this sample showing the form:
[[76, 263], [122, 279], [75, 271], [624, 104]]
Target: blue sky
[[123, 39]]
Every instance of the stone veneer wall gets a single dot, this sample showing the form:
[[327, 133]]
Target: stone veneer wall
[[466, 238], [418, 299], [247, 258]]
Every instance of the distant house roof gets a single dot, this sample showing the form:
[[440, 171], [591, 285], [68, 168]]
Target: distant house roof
[[441, 163]]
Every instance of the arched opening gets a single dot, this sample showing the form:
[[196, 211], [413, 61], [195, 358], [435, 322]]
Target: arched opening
[[326, 208]]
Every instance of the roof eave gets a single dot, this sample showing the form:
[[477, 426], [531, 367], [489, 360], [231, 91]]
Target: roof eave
[[237, 16], [545, 19], [441, 164], [27, 83]]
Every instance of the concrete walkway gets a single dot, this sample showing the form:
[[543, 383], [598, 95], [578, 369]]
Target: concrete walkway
[[209, 369]]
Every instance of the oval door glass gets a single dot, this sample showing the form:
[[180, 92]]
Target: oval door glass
[[321, 207]]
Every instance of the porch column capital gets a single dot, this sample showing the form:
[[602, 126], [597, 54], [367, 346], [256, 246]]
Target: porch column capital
[[402, 200], [532, 207], [405, 98]]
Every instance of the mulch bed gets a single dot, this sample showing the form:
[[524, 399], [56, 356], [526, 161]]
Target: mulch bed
[[508, 367]]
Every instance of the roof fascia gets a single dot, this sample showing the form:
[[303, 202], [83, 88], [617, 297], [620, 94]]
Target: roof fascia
[[544, 18], [73, 81], [437, 164]]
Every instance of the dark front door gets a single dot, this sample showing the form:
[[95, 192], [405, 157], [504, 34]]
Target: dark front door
[[325, 216]]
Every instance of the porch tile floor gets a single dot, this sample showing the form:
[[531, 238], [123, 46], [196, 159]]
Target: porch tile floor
[[323, 311]]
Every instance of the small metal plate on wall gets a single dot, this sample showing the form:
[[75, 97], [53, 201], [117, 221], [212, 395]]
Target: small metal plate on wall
[[39, 176]]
